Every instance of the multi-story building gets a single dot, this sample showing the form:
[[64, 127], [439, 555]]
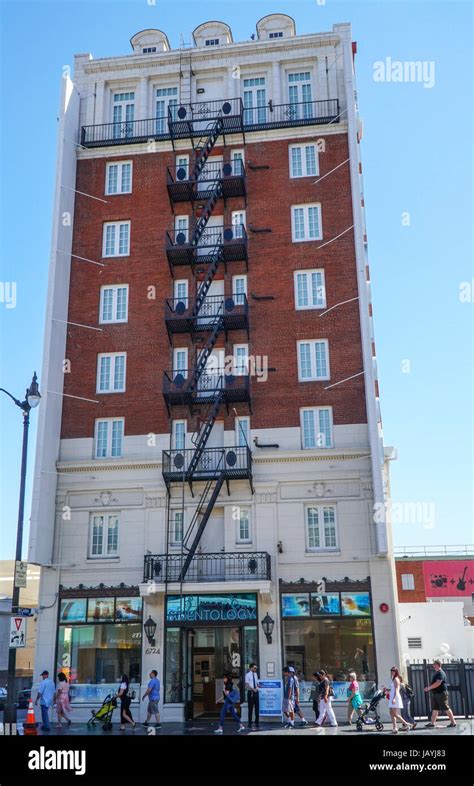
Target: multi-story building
[[210, 452]]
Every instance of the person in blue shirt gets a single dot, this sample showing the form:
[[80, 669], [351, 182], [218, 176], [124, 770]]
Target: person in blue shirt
[[45, 696], [153, 693]]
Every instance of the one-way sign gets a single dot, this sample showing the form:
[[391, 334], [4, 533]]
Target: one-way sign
[[17, 632]]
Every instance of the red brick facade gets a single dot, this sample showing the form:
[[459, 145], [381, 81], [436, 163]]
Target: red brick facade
[[275, 325], [415, 567]]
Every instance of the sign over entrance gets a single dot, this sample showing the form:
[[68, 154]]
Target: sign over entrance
[[211, 608]]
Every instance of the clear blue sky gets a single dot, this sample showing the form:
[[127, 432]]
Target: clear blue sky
[[417, 158]]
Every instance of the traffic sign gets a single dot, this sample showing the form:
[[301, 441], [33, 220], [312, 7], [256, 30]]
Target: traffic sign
[[20, 574], [17, 632]]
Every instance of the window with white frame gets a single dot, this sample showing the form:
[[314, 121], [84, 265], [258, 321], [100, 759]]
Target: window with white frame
[[241, 359], [408, 581], [180, 290], [242, 432], [255, 100], [104, 536], [303, 160], [313, 360], [116, 239], [237, 161], [310, 289], [108, 437], [244, 534], [181, 227], [182, 167], [114, 303], [300, 95], [148, 49], [321, 530], [178, 434], [212, 41], [316, 427], [238, 222], [306, 223], [166, 100], [180, 361], [239, 289], [118, 178], [176, 527], [278, 34], [111, 372], [123, 114]]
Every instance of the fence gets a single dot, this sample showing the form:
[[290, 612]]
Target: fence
[[460, 682]]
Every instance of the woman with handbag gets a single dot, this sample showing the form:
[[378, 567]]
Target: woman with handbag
[[125, 701], [231, 697], [395, 701], [406, 692], [354, 699]]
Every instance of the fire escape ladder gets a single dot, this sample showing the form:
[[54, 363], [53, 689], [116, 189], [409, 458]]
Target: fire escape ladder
[[204, 355], [205, 146], [201, 437], [216, 259], [201, 516]]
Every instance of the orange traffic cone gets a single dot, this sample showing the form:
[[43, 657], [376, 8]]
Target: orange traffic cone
[[30, 725]]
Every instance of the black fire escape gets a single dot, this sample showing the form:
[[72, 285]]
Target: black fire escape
[[205, 390]]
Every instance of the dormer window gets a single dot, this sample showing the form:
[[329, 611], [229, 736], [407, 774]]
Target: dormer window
[[212, 42], [148, 49], [276, 35]]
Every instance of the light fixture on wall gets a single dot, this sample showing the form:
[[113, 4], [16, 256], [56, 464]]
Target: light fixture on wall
[[150, 628], [267, 625]]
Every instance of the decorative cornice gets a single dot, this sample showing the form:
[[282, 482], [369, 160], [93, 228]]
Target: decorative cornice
[[331, 585], [96, 591]]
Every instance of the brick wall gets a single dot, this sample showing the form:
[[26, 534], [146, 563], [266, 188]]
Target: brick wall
[[415, 567], [275, 324]]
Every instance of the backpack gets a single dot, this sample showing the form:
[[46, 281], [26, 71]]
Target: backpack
[[409, 692], [234, 695]]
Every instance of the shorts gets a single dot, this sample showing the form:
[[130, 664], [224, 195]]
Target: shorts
[[288, 705], [439, 701], [297, 707], [153, 707]]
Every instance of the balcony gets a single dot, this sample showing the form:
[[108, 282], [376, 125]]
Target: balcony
[[196, 120], [234, 462], [217, 567], [178, 388], [230, 241], [181, 316], [230, 178]]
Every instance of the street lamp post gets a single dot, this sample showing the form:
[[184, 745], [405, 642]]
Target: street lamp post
[[32, 399]]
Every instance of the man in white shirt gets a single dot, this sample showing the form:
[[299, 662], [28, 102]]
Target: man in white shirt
[[251, 684]]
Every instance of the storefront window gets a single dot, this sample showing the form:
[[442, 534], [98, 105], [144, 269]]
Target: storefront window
[[250, 647], [172, 669], [94, 657], [338, 645]]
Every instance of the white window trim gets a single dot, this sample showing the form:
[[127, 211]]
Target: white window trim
[[234, 364], [318, 549], [174, 423], [112, 372], [119, 177], [312, 342], [109, 438], [234, 279], [243, 541], [408, 578], [114, 287], [175, 544], [186, 165], [316, 447], [305, 208], [116, 554], [117, 224], [175, 352], [237, 431], [308, 273], [303, 147]]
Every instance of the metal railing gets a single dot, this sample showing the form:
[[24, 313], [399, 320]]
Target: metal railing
[[213, 171], [180, 382], [433, 551], [219, 566], [232, 461], [194, 119], [213, 306], [211, 237]]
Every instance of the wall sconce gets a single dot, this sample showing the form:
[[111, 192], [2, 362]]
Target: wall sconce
[[267, 625], [280, 547], [150, 628]]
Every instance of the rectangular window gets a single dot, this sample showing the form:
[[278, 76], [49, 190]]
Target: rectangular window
[[316, 427], [241, 359], [180, 361], [123, 114], [310, 290], [408, 581], [103, 540], [166, 99], [212, 42], [116, 239], [176, 527], [255, 100], [109, 438], [242, 432], [114, 303], [179, 434], [111, 373], [239, 289], [181, 226], [321, 531], [313, 360], [238, 223], [276, 35], [182, 167], [243, 526], [180, 290], [148, 49], [118, 178], [303, 160], [306, 223], [237, 161]]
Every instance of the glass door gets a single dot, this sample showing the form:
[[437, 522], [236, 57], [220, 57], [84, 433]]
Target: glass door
[[300, 95], [255, 101]]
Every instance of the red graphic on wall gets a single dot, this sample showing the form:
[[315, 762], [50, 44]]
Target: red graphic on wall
[[449, 578]]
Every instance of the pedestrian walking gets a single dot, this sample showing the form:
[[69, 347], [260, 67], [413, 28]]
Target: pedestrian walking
[[298, 710], [61, 699], [315, 695], [253, 698], [231, 697], [45, 696], [289, 694], [326, 695], [406, 692], [395, 701], [153, 693], [439, 697], [125, 701], [354, 699]]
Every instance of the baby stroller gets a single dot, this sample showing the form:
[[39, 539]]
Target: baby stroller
[[364, 718], [104, 713]]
